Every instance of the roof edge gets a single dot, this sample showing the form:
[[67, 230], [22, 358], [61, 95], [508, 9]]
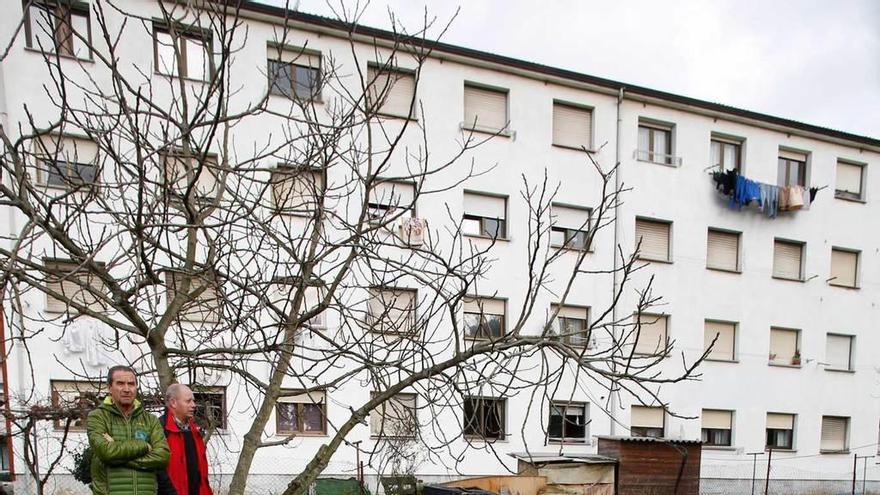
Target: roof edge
[[437, 46]]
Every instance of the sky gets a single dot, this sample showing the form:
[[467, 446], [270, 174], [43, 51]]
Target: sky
[[814, 61]]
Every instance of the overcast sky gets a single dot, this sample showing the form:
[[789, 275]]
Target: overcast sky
[[816, 61]]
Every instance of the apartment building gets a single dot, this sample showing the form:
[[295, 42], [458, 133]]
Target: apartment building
[[788, 300]]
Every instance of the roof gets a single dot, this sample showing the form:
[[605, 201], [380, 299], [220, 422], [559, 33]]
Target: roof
[[541, 458], [436, 46], [648, 439]]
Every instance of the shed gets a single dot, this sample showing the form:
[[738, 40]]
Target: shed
[[654, 466], [574, 474]]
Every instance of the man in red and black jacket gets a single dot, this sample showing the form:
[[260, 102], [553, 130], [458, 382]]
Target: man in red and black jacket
[[187, 472]]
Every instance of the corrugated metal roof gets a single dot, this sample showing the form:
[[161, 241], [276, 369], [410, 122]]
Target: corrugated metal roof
[[541, 458], [649, 439]]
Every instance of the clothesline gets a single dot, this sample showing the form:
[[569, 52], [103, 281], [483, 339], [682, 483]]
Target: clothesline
[[769, 198]]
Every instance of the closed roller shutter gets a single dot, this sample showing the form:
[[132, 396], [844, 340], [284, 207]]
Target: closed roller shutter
[[833, 433], [723, 250], [787, 260], [654, 237], [849, 178], [485, 108], [721, 420], [838, 352], [725, 345], [572, 126], [392, 90], [652, 334], [844, 266], [646, 417]]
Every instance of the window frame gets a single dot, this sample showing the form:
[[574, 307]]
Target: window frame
[[734, 351], [722, 142], [565, 439], [846, 434], [801, 269], [785, 160], [502, 222], [288, 172], [851, 358], [200, 393], [571, 232], [388, 208], [383, 418], [72, 184], [480, 335], [69, 273], [277, 51], [797, 349], [504, 131], [669, 233], [184, 33], [72, 7], [479, 404], [704, 431], [560, 320], [580, 107], [300, 406], [657, 317], [647, 431], [380, 71], [379, 327], [739, 236], [214, 315], [846, 195], [652, 127], [856, 268], [100, 389], [791, 435]]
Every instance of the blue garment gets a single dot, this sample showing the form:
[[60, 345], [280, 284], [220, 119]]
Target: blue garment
[[746, 190], [770, 200]]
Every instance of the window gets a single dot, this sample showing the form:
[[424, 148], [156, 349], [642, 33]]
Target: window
[[390, 199], [197, 169], [722, 251], [726, 154], [652, 333], [184, 53], [391, 91], [844, 268], [787, 256], [202, 299], [484, 318], [485, 109], [4, 455], [570, 227], [392, 310], [210, 410], [652, 238], [294, 72], [301, 413], [717, 427], [780, 431], [395, 418], [297, 191], [65, 161], [647, 421], [835, 434], [568, 422], [282, 298], [572, 325], [838, 352], [792, 169], [655, 144], [59, 27], [849, 181], [485, 417], [484, 215], [79, 398], [572, 126], [725, 345], [75, 285], [785, 346]]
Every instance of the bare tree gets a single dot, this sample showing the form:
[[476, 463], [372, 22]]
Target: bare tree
[[269, 237]]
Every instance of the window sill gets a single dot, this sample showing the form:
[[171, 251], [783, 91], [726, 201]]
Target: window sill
[[832, 452], [478, 438], [721, 448], [783, 365], [59, 55], [653, 260], [574, 148], [298, 434], [780, 449], [786, 279], [573, 249], [185, 79], [840, 370], [724, 270], [850, 287], [851, 200], [274, 96], [505, 133], [670, 165], [395, 117], [392, 437], [488, 238], [575, 442], [732, 361]]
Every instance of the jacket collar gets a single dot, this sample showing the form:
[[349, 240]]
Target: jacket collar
[[171, 425]]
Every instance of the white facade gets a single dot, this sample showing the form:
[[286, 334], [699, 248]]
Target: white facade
[[683, 195]]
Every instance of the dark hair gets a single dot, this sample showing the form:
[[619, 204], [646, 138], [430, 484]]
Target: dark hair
[[114, 369]]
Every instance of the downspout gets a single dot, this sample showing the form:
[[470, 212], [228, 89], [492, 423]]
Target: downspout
[[4, 371], [612, 397]]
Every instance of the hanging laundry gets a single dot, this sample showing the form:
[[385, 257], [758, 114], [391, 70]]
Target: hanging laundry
[[783, 198], [769, 200], [813, 191], [795, 198]]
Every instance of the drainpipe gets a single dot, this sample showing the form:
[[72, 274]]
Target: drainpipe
[[612, 398]]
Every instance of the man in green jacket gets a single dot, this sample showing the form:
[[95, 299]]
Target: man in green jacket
[[128, 444]]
